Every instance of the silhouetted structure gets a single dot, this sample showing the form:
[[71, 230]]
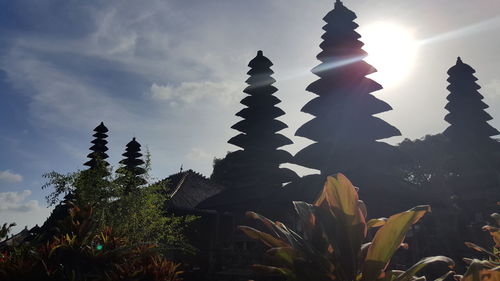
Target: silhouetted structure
[[344, 128], [99, 148], [257, 164], [467, 118], [457, 171], [131, 168], [473, 170], [187, 189]]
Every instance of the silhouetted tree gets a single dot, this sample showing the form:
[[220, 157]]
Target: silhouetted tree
[[99, 148], [467, 118], [344, 128], [131, 169], [257, 164]]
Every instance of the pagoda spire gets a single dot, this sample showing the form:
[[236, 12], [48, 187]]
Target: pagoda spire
[[98, 148], [467, 116], [257, 163], [345, 132], [132, 166]]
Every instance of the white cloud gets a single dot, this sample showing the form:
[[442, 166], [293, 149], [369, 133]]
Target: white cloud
[[492, 89], [224, 93], [16, 202], [197, 154], [9, 176]]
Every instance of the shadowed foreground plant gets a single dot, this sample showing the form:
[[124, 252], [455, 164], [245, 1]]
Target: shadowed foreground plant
[[5, 230], [330, 246], [81, 253], [485, 270]]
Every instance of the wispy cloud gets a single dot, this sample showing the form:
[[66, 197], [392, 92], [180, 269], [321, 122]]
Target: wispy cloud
[[198, 154], [16, 202], [224, 93], [9, 176], [492, 89]]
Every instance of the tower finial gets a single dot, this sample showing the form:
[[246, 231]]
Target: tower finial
[[260, 53], [459, 60]]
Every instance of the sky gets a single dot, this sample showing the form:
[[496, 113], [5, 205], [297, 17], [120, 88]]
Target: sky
[[171, 74]]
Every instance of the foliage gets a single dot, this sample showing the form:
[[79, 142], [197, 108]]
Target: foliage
[[136, 213], [5, 230], [436, 160], [430, 156], [485, 270], [331, 245], [83, 253]]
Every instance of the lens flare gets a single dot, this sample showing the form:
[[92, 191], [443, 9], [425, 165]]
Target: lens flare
[[391, 50]]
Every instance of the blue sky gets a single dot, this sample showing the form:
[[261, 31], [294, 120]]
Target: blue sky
[[171, 73]]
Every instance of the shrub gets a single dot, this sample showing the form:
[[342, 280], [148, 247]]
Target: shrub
[[485, 270], [82, 253], [330, 246]]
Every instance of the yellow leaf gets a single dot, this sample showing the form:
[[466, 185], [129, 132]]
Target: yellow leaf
[[387, 240]]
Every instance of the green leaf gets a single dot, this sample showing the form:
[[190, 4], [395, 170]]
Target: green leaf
[[267, 239], [390, 275], [388, 239], [445, 276], [482, 270], [276, 270], [496, 217], [410, 273], [339, 193], [495, 234], [279, 230], [282, 255], [343, 222], [480, 249], [376, 222]]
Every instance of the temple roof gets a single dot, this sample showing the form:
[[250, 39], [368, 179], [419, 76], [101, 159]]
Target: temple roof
[[188, 188]]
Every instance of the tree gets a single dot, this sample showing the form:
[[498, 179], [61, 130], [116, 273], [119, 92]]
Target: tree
[[132, 169], [257, 164], [98, 148], [5, 230], [467, 118], [119, 200], [429, 156], [344, 129], [137, 215]]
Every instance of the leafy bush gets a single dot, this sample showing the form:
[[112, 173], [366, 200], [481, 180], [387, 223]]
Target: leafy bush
[[485, 270], [82, 253], [135, 212], [331, 245], [5, 230]]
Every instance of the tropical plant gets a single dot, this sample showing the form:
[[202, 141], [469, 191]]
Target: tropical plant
[[485, 270], [136, 213], [5, 230], [83, 253], [331, 244]]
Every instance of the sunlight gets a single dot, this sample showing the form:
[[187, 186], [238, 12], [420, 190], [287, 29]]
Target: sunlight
[[391, 50]]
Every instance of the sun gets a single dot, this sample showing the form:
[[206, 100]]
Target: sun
[[391, 49]]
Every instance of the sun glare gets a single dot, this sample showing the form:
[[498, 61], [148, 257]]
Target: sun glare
[[391, 50]]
